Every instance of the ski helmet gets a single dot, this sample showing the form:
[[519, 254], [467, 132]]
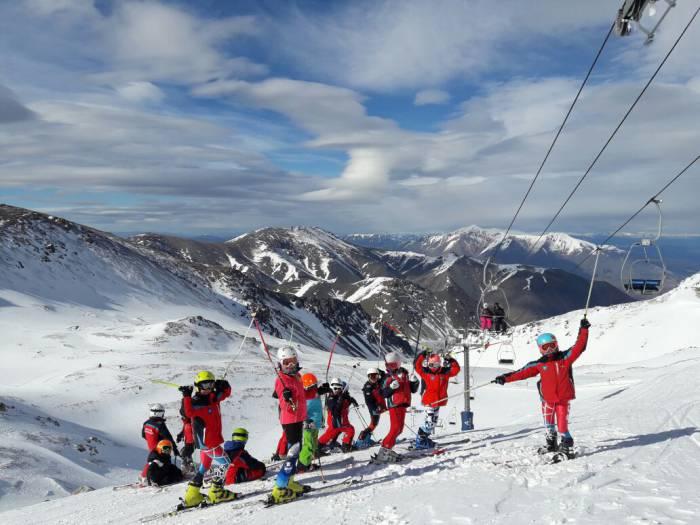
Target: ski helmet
[[288, 360], [486, 305], [336, 384], [548, 343], [239, 434], [371, 371], [157, 410], [164, 446], [393, 360], [204, 377], [434, 361], [309, 381]]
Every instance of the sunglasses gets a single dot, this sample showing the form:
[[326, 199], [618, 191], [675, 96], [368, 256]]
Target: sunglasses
[[206, 385], [549, 346]]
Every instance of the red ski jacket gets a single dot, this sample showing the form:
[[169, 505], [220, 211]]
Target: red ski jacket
[[401, 397], [556, 384], [287, 413], [373, 397], [154, 429], [436, 381], [205, 414]]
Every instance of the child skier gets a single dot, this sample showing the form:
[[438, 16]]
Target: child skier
[[338, 407], [161, 471], [435, 378], [556, 386], [243, 467], [396, 389], [314, 420], [154, 430], [289, 389], [375, 405], [204, 411]]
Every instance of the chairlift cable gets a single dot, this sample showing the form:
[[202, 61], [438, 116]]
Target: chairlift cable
[[652, 199], [617, 128], [556, 137]]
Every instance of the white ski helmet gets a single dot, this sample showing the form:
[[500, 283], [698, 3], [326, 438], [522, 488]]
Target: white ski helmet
[[371, 371], [393, 360], [286, 352], [336, 384], [486, 305], [157, 410]]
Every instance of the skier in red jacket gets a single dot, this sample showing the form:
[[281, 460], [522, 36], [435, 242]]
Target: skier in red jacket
[[289, 390], [203, 410], [435, 378], [153, 431], [186, 435], [556, 386], [396, 389], [338, 406]]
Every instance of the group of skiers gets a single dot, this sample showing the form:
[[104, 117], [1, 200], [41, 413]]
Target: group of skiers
[[301, 417]]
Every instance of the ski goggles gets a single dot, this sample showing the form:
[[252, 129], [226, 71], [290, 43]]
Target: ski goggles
[[166, 449], [549, 347], [289, 362], [206, 385], [373, 376]]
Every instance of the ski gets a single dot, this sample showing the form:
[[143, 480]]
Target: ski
[[322, 489], [181, 509]]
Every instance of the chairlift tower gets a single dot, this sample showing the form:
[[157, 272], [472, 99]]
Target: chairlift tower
[[467, 415]]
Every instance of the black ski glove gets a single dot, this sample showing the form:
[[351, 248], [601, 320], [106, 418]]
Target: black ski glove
[[186, 390], [500, 380], [287, 395], [585, 323], [180, 437], [221, 384]]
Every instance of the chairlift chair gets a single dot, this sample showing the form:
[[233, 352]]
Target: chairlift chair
[[506, 354], [631, 13], [644, 273]]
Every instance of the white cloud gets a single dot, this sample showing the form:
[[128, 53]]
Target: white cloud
[[388, 44], [140, 92], [431, 96]]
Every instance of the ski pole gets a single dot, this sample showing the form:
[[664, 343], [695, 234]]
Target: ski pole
[[462, 392], [359, 414], [245, 336], [145, 379], [590, 288], [330, 357], [267, 352]]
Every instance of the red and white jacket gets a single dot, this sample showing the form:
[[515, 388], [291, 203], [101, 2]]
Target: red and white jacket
[[556, 384]]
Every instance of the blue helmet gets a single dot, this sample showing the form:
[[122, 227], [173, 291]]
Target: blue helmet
[[543, 339]]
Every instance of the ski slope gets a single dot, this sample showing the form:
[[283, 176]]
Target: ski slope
[[635, 422]]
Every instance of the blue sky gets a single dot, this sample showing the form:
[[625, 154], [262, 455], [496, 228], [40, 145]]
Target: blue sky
[[218, 117]]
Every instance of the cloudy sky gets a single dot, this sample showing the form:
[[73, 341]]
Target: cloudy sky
[[221, 116]]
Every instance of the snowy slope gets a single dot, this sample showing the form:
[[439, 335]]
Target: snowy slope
[[635, 422]]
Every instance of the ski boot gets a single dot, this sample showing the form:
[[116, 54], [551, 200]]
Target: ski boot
[[566, 448], [346, 447], [423, 442], [218, 494], [193, 497], [297, 487], [551, 444], [386, 455], [281, 495]]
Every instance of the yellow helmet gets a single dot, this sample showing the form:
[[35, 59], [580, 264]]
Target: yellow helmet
[[202, 376]]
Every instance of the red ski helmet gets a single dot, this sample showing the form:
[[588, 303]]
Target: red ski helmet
[[434, 361]]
